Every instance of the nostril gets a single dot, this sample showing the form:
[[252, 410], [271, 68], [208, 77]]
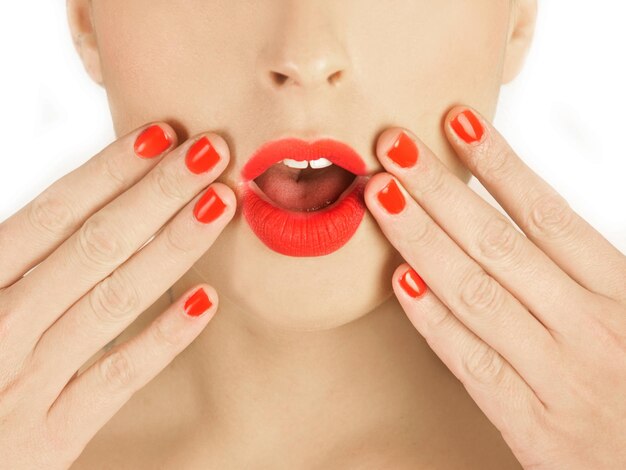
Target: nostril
[[335, 77], [279, 78]]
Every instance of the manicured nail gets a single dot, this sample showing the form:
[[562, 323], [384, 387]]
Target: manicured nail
[[152, 142], [404, 151], [413, 284], [198, 303], [201, 156], [391, 197], [209, 207], [467, 126]]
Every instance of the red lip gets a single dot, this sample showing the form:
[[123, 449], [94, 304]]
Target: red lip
[[337, 152], [297, 233]]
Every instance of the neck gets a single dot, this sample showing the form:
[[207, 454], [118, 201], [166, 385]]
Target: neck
[[258, 382]]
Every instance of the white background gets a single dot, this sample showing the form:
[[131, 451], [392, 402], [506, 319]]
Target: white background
[[565, 114]]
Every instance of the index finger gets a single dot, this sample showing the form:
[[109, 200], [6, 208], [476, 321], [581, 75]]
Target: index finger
[[537, 208], [38, 228]]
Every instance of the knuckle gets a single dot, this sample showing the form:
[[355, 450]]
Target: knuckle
[[52, 212], [492, 160], [434, 182], [422, 232], [165, 333], [550, 215], [114, 172], [98, 243], [440, 319], [116, 370], [168, 184], [6, 317], [10, 385], [499, 240], [177, 239], [484, 365], [480, 293], [114, 298]]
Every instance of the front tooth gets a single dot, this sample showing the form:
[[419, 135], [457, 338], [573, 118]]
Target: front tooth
[[320, 163], [296, 164]]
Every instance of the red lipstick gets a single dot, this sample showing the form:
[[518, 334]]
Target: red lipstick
[[304, 212]]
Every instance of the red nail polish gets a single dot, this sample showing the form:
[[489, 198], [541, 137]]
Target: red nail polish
[[209, 207], [201, 156], [404, 151], [152, 142], [467, 126], [413, 284], [391, 198], [198, 303]]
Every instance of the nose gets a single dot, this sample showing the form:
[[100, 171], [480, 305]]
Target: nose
[[306, 49]]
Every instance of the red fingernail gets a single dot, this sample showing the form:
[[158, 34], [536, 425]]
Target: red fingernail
[[152, 142], [209, 207], [198, 303], [467, 126], [413, 284], [391, 197], [201, 156], [404, 151]]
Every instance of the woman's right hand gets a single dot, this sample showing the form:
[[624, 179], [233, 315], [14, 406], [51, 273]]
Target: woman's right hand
[[85, 236]]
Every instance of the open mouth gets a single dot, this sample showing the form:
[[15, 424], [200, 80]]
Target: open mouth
[[304, 199], [304, 186]]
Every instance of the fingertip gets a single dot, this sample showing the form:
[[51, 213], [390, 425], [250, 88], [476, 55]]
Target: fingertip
[[220, 145], [153, 140], [399, 272], [376, 183], [372, 187], [465, 126], [407, 281], [454, 111], [226, 194], [212, 295], [388, 137], [200, 300]]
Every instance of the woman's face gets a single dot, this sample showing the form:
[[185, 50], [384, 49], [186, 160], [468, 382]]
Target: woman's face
[[206, 65]]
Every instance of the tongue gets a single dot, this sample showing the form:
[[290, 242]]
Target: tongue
[[304, 190]]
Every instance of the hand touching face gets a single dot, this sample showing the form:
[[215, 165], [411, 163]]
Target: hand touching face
[[532, 322]]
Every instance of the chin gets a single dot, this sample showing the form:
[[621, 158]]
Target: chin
[[300, 293]]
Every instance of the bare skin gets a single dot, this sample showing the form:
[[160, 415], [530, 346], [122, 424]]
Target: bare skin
[[334, 421], [282, 376]]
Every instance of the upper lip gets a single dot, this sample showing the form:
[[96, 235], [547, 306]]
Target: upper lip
[[272, 152]]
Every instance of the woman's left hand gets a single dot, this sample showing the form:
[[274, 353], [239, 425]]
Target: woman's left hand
[[532, 323]]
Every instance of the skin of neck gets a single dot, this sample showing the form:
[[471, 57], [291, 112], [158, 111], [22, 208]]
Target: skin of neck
[[256, 383]]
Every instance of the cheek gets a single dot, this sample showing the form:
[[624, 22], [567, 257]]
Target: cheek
[[424, 56], [424, 59], [160, 59]]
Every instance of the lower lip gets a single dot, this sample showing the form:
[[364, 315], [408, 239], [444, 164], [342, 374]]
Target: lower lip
[[315, 233]]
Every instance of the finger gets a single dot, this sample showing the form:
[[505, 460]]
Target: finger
[[32, 233], [110, 236], [496, 387], [115, 303], [94, 396], [478, 300], [542, 213], [484, 233]]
